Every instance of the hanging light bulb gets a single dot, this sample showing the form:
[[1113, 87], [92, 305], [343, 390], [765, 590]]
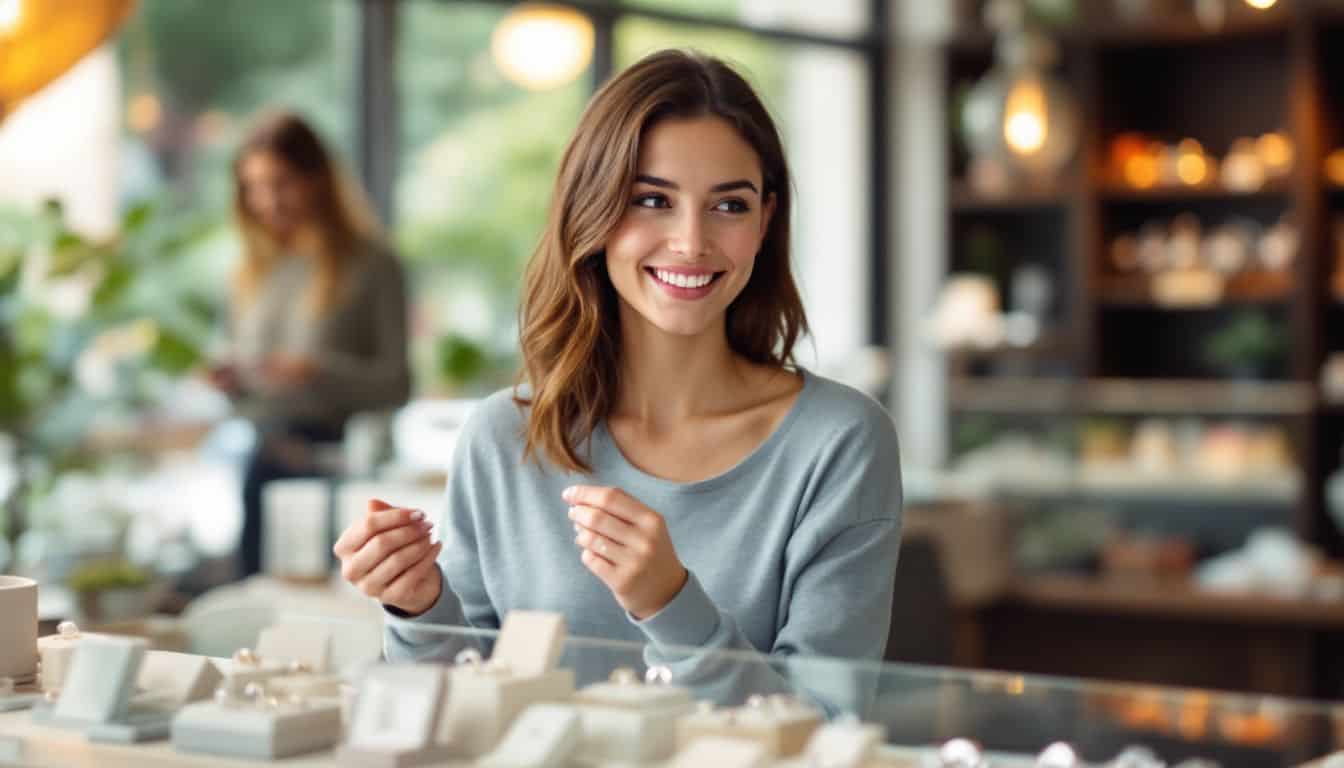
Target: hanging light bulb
[[1018, 111], [1261, 5], [1024, 119], [542, 46], [10, 13]]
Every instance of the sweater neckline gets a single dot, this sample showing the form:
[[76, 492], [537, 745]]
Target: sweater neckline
[[610, 456]]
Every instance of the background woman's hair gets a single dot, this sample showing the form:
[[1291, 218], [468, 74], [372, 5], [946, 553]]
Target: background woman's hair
[[345, 220], [569, 319]]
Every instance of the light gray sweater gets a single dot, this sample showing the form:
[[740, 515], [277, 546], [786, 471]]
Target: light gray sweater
[[790, 552]]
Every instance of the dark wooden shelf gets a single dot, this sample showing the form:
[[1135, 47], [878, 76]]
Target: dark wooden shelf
[[1273, 191], [1065, 397], [966, 200], [1180, 600], [1256, 288]]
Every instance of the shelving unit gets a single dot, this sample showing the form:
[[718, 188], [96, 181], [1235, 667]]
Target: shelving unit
[[1122, 353]]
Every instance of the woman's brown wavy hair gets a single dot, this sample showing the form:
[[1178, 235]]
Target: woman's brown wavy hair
[[346, 221], [569, 320]]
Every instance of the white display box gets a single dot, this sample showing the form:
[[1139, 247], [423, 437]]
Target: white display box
[[262, 733], [395, 718], [544, 736], [721, 752], [783, 730], [634, 724], [483, 704], [177, 679]]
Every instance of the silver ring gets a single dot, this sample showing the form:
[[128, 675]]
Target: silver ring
[[658, 676], [469, 657]]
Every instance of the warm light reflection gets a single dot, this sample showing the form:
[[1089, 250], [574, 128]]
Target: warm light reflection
[[1334, 167], [1142, 171], [1024, 117], [10, 13], [1191, 166], [1253, 729], [144, 113], [1261, 5], [1193, 720], [542, 46], [1276, 153]]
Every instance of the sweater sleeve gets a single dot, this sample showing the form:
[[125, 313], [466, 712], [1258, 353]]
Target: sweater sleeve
[[463, 600], [839, 574]]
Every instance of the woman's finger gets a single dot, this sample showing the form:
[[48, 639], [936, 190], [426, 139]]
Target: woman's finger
[[599, 521], [611, 551], [358, 565], [395, 565]]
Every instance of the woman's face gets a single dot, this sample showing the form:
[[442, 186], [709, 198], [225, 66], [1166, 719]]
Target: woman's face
[[694, 221], [279, 198]]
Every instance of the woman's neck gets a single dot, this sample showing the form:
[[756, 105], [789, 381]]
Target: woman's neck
[[666, 379]]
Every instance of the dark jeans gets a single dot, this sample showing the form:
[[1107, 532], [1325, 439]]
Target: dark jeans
[[277, 456]]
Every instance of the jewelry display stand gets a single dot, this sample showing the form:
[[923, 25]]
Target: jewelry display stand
[[176, 679], [96, 697], [55, 652], [485, 696], [782, 724], [256, 725], [544, 736], [290, 661], [631, 721], [722, 752], [395, 716]]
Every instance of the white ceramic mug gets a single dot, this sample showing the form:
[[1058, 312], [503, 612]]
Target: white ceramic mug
[[18, 626]]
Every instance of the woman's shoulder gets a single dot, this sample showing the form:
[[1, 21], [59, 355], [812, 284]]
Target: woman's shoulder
[[496, 422], [842, 406]]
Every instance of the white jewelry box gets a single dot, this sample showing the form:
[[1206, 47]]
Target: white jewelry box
[[544, 736], [257, 731], [394, 719], [629, 721], [781, 724]]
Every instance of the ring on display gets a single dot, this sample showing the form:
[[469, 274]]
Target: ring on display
[[469, 658], [623, 676], [961, 753], [658, 675], [68, 630], [246, 657]]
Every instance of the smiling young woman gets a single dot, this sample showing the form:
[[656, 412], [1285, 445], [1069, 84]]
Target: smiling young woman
[[716, 494]]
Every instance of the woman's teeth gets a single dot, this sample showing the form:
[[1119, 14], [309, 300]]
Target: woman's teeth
[[683, 281]]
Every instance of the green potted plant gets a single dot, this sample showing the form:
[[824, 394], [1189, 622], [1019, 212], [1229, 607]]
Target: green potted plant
[[115, 590], [1246, 347]]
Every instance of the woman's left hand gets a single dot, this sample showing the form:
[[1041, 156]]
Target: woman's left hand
[[627, 546]]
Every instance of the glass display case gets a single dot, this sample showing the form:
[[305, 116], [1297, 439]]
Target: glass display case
[[924, 716]]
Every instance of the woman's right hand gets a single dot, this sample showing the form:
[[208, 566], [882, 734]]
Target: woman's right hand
[[388, 556]]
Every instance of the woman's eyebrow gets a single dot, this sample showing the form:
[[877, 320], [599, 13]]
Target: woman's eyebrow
[[726, 186]]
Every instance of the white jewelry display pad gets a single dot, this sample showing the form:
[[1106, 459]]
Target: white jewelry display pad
[[722, 752], [483, 703], [783, 730], [397, 708], [304, 643], [630, 722], [256, 732], [177, 679], [237, 676], [544, 736], [530, 642], [100, 681]]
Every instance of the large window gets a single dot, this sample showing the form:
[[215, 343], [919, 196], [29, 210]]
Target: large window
[[478, 158]]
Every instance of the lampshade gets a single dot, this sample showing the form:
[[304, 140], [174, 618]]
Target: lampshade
[[542, 46], [41, 39]]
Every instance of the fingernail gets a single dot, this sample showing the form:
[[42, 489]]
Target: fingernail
[[418, 515], [573, 513], [568, 494]]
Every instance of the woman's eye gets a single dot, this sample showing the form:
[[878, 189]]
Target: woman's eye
[[650, 201], [732, 206]]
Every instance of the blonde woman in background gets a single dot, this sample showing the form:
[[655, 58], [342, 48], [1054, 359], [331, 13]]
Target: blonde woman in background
[[317, 327]]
